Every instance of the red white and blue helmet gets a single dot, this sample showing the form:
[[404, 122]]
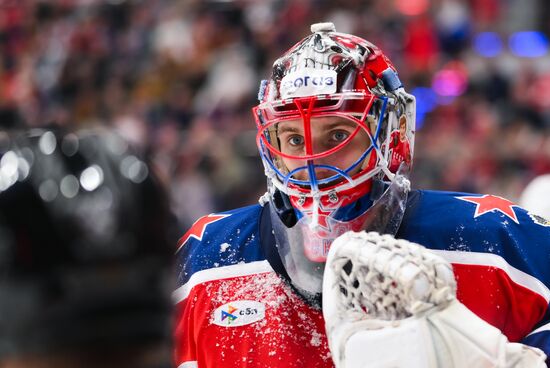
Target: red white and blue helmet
[[340, 76]]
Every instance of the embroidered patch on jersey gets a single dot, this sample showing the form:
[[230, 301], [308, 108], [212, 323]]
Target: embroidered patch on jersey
[[197, 230], [490, 203], [539, 220], [239, 313]]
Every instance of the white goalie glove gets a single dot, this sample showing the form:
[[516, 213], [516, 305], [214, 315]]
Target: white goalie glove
[[392, 303]]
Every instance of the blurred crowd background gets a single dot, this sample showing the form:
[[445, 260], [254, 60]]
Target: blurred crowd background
[[178, 79]]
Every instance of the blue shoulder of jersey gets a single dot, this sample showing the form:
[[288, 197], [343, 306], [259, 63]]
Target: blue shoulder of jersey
[[479, 223], [219, 239]]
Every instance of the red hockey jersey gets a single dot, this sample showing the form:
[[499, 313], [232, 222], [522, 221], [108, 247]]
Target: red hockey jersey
[[234, 310]]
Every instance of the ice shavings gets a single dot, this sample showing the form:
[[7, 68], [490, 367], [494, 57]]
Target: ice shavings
[[224, 246]]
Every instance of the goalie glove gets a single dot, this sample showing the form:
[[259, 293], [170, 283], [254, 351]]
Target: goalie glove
[[392, 303]]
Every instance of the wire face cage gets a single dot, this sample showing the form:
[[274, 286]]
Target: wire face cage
[[309, 146]]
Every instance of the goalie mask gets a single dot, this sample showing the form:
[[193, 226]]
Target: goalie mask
[[333, 123]]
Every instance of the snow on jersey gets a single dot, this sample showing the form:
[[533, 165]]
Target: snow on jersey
[[234, 310]]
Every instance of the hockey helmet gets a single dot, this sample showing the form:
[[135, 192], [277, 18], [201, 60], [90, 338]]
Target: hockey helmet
[[334, 123]]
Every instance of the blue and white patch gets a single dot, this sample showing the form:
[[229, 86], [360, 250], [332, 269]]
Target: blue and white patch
[[239, 313], [308, 82]]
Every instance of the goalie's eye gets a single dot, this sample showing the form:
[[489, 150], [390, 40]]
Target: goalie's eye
[[296, 140], [339, 136]]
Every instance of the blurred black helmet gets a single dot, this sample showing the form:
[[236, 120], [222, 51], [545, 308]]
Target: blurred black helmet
[[85, 244]]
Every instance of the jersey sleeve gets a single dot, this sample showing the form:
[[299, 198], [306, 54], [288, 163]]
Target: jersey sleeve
[[213, 243], [500, 255]]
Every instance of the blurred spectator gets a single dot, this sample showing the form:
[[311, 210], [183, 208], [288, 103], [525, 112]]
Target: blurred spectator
[[159, 72]]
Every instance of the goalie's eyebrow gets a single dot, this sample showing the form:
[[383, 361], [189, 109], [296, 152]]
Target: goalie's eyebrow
[[285, 128], [288, 129]]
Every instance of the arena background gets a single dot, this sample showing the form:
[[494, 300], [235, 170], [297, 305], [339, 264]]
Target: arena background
[[178, 80]]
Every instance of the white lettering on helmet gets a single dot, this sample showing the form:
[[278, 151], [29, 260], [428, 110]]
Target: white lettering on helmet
[[308, 82]]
